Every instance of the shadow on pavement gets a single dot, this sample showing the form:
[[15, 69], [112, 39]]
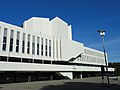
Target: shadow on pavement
[[81, 86]]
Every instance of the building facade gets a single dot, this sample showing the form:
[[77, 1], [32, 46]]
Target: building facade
[[44, 47]]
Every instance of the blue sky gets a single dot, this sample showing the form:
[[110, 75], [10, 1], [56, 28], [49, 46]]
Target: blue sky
[[85, 16]]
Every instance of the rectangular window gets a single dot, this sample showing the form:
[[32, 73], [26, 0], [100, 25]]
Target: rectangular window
[[28, 44], [17, 41], [11, 40], [42, 46], [38, 45], [23, 43], [45, 47], [4, 39], [33, 45], [50, 48]]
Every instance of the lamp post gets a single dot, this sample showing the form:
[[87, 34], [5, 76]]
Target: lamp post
[[102, 34]]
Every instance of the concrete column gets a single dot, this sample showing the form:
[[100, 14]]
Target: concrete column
[[51, 61], [51, 77], [42, 61], [81, 75], [29, 78], [21, 59]]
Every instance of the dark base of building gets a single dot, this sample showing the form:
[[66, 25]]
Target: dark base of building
[[13, 76]]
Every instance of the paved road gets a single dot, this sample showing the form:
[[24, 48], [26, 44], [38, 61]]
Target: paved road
[[76, 84]]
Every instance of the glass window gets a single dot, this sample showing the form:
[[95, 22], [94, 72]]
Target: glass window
[[4, 39], [17, 41], [33, 45], [50, 48], [28, 44], [23, 43], [42, 46], [45, 47], [38, 45], [5, 32], [11, 40]]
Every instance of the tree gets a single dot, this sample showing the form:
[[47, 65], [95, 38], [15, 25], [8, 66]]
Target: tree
[[115, 65]]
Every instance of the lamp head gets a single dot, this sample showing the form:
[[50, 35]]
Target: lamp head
[[102, 32]]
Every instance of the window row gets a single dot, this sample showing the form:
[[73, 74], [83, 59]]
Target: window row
[[85, 58], [94, 53], [28, 42]]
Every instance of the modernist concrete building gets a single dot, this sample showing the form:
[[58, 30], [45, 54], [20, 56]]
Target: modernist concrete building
[[43, 49]]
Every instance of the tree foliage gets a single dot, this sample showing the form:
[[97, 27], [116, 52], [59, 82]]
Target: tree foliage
[[115, 65]]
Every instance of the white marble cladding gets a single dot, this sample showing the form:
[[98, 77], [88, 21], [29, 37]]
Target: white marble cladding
[[57, 44]]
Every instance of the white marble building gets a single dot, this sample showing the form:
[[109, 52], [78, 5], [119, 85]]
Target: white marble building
[[42, 44]]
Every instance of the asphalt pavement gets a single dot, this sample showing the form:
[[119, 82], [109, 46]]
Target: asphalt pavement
[[92, 83]]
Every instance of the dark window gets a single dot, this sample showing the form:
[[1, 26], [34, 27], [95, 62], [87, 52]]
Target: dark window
[[4, 39], [33, 45], [17, 41], [37, 49], [11, 44], [50, 48], [23, 46], [28, 48], [11, 40], [28, 44], [3, 58], [4, 43], [23, 43], [14, 59], [37, 45], [17, 45], [45, 47], [42, 46], [33, 48]]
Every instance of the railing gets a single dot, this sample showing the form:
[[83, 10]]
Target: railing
[[73, 59]]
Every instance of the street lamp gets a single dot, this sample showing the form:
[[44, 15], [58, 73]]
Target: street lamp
[[102, 33]]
